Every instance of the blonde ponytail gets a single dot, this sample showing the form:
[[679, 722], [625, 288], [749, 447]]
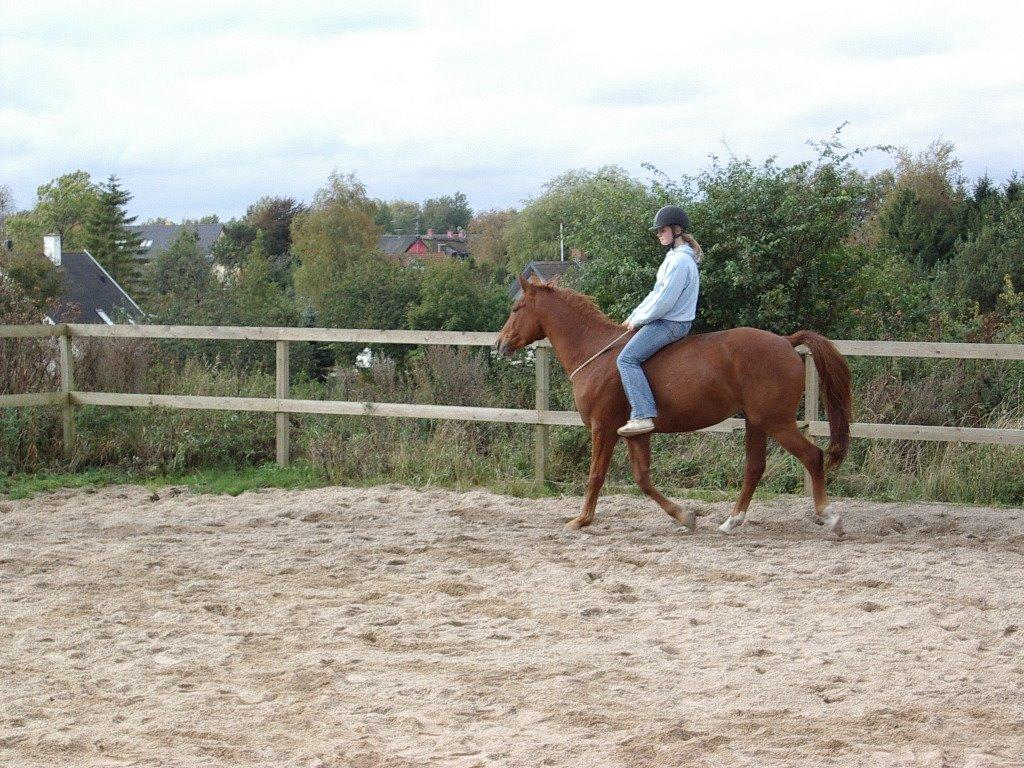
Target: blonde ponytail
[[698, 253]]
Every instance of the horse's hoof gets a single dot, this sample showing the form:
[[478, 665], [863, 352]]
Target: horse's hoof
[[687, 520], [815, 518], [574, 525], [835, 525], [728, 526]]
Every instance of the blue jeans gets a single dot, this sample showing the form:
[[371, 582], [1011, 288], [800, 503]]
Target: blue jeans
[[648, 340]]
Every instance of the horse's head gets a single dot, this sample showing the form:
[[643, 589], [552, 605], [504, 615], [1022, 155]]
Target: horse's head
[[524, 324]]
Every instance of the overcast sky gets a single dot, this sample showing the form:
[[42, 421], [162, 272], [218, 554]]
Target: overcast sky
[[204, 107]]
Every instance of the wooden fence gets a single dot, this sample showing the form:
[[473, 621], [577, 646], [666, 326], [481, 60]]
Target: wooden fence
[[69, 398]]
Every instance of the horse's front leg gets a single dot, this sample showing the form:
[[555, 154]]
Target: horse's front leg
[[603, 441], [640, 458]]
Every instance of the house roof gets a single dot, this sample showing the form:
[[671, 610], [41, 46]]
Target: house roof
[[157, 238], [545, 270], [392, 244], [90, 288], [456, 245], [455, 248]]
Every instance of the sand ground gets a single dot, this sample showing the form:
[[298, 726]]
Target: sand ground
[[392, 626]]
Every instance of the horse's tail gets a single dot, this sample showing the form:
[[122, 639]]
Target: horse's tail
[[835, 385]]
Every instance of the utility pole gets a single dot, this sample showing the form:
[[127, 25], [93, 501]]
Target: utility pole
[[561, 241]]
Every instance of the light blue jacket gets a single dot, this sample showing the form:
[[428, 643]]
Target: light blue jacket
[[674, 296]]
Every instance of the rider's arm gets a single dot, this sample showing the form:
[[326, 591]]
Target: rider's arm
[[664, 296]]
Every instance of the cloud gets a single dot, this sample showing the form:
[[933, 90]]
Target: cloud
[[893, 45], [671, 91], [202, 107]]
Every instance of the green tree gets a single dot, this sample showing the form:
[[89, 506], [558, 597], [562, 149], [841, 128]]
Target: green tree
[[778, 241], [489, 234], [454, 297], [62, 206], [370, 292], [920, 216], [35, 275], [274, 216], [106, 235], [181, 284], [234, 244], [452, 211], [398, 217], [337, 231], [7, 209], [985, 259], [605, 215]]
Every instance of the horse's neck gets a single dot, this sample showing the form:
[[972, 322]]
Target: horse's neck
[[576, 337]]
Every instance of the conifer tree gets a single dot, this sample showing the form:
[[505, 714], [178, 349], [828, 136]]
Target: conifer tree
[[107, 236]]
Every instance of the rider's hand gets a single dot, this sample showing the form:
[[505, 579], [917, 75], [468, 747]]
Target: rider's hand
[[629, 326]]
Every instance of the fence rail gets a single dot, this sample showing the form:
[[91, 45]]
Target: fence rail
[[69, 398]]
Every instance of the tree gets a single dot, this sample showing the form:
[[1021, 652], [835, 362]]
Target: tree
[[370, 292], [337, 231], [919, 215], [450, 211], [255, 298], [234, 244], [6, 209], [106, 235], [398, 217], [35, 275], [984, 260], [274, 216], [62, 207], [406, 217], [489, 233], [604, 214], [181, 284], [454, 298], [778, 241]]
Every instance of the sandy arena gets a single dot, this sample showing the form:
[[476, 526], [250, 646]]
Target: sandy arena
[[396, 627]]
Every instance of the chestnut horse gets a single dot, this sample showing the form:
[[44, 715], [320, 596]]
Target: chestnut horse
[[697, 381]]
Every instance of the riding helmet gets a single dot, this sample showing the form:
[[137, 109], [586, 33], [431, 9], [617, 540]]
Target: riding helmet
[[669, 215]]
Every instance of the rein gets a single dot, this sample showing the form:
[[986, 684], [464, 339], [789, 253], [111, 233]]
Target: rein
[[594, 357]]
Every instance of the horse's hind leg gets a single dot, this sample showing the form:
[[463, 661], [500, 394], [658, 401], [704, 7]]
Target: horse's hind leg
[[813, 458], [757, 444], [640, 459]]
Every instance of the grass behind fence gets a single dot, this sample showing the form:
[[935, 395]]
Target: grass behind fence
[[148, 444]]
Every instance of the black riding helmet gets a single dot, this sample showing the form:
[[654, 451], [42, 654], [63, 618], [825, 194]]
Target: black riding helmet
[[669, 215]]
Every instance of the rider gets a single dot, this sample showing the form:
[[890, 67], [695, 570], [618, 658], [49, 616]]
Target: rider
[[663, 317]]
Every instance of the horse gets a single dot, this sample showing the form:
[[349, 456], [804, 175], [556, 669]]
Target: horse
[[697, 382]]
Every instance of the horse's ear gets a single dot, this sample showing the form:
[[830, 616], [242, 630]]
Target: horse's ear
[[525, 285]]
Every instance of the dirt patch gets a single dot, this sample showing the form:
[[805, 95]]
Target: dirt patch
[[400, 627]]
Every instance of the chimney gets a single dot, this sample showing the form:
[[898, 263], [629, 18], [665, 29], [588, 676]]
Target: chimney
[[51, 248]]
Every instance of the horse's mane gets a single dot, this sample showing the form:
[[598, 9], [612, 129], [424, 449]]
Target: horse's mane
[[581, 303]]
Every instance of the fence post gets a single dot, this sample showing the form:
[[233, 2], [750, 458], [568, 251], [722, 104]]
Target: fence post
[[283, 376], [67, 386], [542, 367], [810, 407]]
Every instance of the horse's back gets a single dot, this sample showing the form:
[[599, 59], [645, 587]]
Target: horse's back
[[707, 377]]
